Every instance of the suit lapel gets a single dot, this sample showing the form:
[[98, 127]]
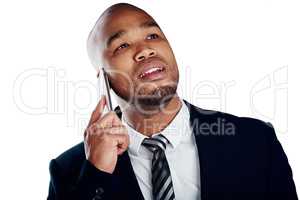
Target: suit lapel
[[128, 181], [206, 150], [124, 171]]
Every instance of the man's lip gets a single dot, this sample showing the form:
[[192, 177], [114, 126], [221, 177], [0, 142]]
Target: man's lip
[[149, 65]]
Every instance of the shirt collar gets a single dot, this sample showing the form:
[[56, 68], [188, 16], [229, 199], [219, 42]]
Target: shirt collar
[[173, 132]]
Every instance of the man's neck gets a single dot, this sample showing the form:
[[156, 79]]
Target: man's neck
[[152, 121]]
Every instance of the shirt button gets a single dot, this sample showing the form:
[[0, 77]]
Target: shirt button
[[99, 190]]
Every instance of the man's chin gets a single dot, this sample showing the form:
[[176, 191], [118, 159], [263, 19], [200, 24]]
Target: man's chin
[[158, 97], [149, 99]]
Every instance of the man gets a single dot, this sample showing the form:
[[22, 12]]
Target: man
[[155, 145]]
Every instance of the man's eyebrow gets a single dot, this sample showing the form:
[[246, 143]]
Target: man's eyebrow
[[114, 36], [119, 33], [149, 24]]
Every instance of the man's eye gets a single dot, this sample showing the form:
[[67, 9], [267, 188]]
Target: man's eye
[[122, 46], [152, 36]]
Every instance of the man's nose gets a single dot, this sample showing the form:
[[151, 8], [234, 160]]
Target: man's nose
[[144, 53]]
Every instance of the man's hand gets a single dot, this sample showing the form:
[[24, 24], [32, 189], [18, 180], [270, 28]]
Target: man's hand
[[105, 138]]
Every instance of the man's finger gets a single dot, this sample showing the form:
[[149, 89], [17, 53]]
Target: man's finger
[[110, 119], [98, 110], [122, 141], [112, 130]]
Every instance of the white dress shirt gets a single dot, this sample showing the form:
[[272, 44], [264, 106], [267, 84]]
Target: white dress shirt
[[181, 154]]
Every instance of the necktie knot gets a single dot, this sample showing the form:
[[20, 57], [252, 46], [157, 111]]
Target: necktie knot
[[157, 142]]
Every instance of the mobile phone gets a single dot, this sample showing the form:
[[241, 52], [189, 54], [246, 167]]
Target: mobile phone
[[106, 88]]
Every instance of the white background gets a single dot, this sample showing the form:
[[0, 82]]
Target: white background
[[240, 57]]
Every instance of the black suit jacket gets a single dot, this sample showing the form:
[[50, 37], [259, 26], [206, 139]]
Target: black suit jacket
[[248, 163]]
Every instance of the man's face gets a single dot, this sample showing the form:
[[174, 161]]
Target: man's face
[[140, 62]]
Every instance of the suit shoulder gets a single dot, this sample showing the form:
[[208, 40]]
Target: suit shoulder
[[255, 123], [243, 125]]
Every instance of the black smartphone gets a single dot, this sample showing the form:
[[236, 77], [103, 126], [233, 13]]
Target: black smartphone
[[104, 78]]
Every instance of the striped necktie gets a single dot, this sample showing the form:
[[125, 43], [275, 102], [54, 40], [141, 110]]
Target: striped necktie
[[162, 187]]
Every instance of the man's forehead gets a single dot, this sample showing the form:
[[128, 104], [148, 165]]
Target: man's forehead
[[114, 20], [122, 19]]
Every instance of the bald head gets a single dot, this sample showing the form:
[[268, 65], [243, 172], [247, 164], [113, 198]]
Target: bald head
[[120, 6], [96, 40]]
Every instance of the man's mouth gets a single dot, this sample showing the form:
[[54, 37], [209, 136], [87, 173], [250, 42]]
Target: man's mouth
[[150, 72]]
